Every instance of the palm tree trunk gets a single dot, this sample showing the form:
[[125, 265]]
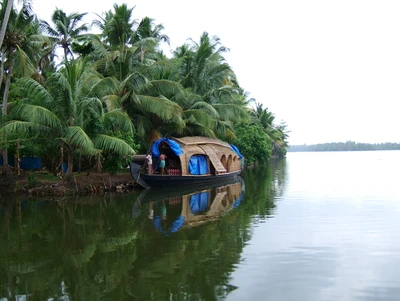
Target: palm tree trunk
[[3, 59], [61, 165], [65, 54], [17, 163], [80, 162], [99, 166], [70, 162], [153, 136], [4, 108], [5, 21]]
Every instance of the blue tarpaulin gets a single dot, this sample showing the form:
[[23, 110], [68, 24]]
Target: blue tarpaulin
[[10, 161], [199, 202], [175, 147], [176, 225], [236, 150], [26, 163], [198, 165], [238, 201], [31, 163]]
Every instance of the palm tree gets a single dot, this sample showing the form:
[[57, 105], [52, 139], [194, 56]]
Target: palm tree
[[141, 95], [5, 18], [263, 116], [147, 29], [204, 72], [67, 29], [276, 135], [66, 112], [117, 27], [21, 50], [130, 71]]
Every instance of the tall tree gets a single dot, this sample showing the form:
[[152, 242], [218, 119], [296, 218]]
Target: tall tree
[[67, 30], [21, 49], [117, 26], [67, 113], [5, 18], [204, 71], [276, 135], [130, 66]]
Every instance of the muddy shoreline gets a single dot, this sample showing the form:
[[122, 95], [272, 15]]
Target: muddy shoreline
[[44, 184]]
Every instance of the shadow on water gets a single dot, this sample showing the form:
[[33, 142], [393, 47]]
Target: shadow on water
[[180, 245]]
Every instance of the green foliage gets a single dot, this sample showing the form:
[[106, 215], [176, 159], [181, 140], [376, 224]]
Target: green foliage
[[31, 179], [253, 143], [114, 162], [121, 92]]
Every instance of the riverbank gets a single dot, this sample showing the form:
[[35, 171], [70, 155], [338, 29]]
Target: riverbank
[[46, 184]]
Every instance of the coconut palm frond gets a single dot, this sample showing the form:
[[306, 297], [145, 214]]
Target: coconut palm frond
[[38, 115], [36, 93], [16, 127], [200, 116], [231, 112], [209, 109], [23, 65], [160, 106], [77, 137], [119, 119], [166, 87], [113, 145]]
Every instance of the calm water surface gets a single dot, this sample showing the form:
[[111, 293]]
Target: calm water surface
[[316, 226]]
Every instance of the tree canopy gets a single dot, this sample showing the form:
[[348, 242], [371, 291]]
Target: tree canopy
[[113, 93]]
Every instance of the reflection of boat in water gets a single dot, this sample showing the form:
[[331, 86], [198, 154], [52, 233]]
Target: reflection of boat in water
[[171, 210], [188, 161]]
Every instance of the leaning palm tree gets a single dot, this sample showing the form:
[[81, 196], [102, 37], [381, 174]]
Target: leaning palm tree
[[66, 112], [67, 30], [5, 17]]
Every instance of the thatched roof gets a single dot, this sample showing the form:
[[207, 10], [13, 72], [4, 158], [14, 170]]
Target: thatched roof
[[198, 140]]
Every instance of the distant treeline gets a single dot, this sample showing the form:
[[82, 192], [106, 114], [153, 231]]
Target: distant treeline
[[343, 146]]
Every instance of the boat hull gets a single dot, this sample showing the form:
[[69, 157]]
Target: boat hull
[[157, 180]]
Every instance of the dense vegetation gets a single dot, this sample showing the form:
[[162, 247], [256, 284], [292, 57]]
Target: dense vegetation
[[343, 146], [93, 100]]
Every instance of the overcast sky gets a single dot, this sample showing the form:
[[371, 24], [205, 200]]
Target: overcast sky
[[329, 69]]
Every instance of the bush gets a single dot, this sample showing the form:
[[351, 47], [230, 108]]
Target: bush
[[31, 179], [253, 143], [113, 162]]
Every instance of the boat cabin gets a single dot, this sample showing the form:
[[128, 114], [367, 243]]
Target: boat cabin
[[196, 156]]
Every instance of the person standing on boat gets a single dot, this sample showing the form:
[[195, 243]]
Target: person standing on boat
[[162, 163], [149, 164]]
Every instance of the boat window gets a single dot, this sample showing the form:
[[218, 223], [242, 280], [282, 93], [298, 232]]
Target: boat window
[[229, 163], [223, 161], [198, 165]]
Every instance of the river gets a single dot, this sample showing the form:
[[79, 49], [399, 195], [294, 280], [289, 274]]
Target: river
[[314, 226]]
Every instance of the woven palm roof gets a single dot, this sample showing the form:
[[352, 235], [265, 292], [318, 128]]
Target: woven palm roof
[[196, 140]]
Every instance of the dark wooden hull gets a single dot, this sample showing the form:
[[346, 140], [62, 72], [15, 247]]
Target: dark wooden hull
[[157, 180], [160, 193]]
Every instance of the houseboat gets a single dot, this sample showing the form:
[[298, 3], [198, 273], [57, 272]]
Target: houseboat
[[187, 161]]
